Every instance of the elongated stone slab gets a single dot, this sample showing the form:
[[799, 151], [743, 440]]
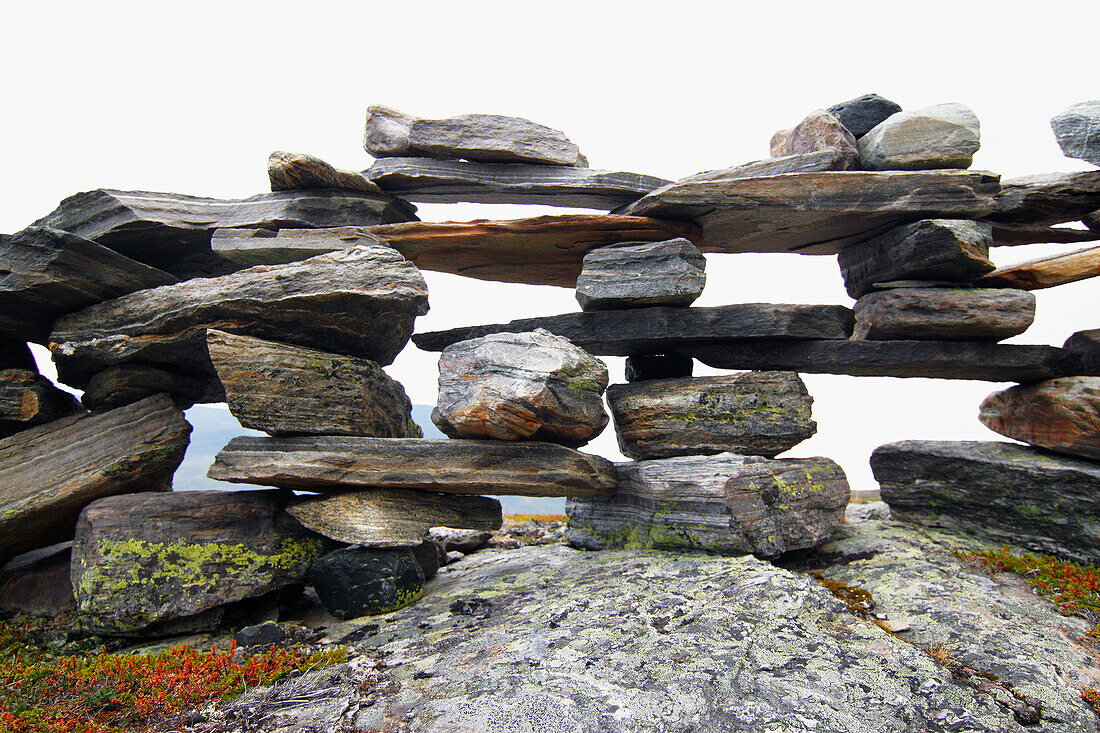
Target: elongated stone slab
[[999, 492], [250, 247], [728, 504], [756, 413], [943, 314], [120, 385], [360, 302], [639, 275], [298, 171], [394, 517], [327, 463], [287, 390], [1015, 234], [1084, 346], [172, 231], [28, 399], [50, 472], [816, 213], [45, 273], [453, 181], [1061, 415], [815, 162], [1046, 272], [664, 330], [1050, 198]]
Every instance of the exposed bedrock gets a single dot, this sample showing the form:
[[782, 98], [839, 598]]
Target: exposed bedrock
[[640, 275], [937, 137], [943, 314], [1061, 415]]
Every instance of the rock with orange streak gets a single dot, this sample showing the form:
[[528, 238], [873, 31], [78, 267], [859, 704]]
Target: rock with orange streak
[[1061, 415]]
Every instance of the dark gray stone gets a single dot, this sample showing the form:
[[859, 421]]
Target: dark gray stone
[[37, 583], [265, 634], [820, 131], [28, 399], [1049, 198], [932, 138], [430, 556], [861, 114], [360, 581], [640, 275], [944, 314], [127, 383], [659, 366], [822, 160], [1092, 221], [16, 355], [1077, 130], [460, 540], [1085, 346]]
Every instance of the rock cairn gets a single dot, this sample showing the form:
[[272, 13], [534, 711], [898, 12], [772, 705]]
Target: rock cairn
[[288, 305]]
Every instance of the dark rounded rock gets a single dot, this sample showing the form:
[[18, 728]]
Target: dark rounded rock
[[661, 366], [360, 581], [429, 555], [264, 634], [859, 115]]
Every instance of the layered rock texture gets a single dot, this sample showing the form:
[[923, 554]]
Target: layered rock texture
[[638, 275], [28, 399], [1077, 130], [298, 171], [943, 136], [820, 131], [1061, 415], [943, 314], [1046, 272]]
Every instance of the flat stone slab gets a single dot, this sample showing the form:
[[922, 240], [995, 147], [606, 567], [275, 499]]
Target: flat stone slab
[[1016, 234], [328, 463], [943, 314], [452, 181], [816, 213], [1049, 198], [815, 162], [28, 399], [1046, 272], [120, 385], [641, 274], [1061, 415], [172, 231], [663, 330]]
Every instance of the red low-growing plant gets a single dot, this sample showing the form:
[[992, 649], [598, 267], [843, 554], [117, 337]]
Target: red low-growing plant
[[1074, 588]]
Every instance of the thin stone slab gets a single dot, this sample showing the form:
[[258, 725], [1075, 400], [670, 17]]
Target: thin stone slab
[[821, 130], [815, 162], [727, 504], [28, 399], [172, 231], [126, 383], [453, 181], [45, 273], [640, 275], [644, 331], [1046, 272], [394, 517], [1049, 198], [1061, 415], [331, 463], [1016, 234], [755, 413], [816, 213], [50, 472], [943, 314], [289, 390], [931, 138], [998, 492], [360, 302], [1085, 347], [860, 115], [298, 171], [1077, 130]]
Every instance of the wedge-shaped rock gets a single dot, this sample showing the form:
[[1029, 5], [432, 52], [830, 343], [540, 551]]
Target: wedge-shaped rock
[[1061, 415], [942, 136], [120, 385], [999, 492], [943, 314], [952, 250], [45, 273], [52, 471], [16, 355], [172, 231], [394, 517], [639, 275], [1077, 130], [297, 171], [288, 390], [860, 115], [1084, 346], [822, 160], [28, 399], [521, 386], [476, 137], [820, 131], [1046, 272], [452, 181], [1050, 198], [144, 562], [756, 413], [667, 330], [360, 302], [333, 463], [728, 503], [815, 213]]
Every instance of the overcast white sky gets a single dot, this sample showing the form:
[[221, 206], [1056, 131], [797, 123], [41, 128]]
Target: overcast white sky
[[191, 97]]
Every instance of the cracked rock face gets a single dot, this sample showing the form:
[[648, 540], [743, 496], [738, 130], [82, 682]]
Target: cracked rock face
[[1077, 130]]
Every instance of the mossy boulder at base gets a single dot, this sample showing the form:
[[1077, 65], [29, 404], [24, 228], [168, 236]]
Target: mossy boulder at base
[[364, 581]]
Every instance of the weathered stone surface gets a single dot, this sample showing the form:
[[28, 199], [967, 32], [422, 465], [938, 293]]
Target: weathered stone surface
[[360, 302], [952, 250], [822, 160], [28, 399], [50, 472], [460, 540], [16, 355], [265, 634], [728, 503], [1061, 415], [430, 556], [452, 181], [1015, 234], [172, 231], [289, 390], [297, 171], [658, 366], [641, 274], [362, 581], [943, 314], [1077, 130], [126, 383], [38, 583], [475, 137], [143, 561], [820, 131], [46, 273], [756, 413], [448, 466], [1084, 346], [664, 330], [999, 492], [521, 386], [862, 114], [1050, 198], [1046, 272], [942, 136], [393, 517], [815, 213], [544, 250]]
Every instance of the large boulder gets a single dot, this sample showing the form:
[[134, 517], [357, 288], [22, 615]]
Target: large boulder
[[942, 136], [943, 314], [820, 131], [640, 275], [1061, 415], [1077, 130], [860, 115], [28, 399], [362, 581]]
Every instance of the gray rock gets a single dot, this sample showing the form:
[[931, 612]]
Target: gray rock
[[952, 250], [1085, 347], [452, 181], [297, 171], [1092, 221], [641, 274], [475, 137], [28, 399], [755, 413], [822, 160], [1016, 234], [521, 386], [862, 114], [127, 383], [658, 366], [250, 247], [1061, 415], [360, 581], [265, 634], [1048, 198], [1077, 130], [944, 314], [942, 136], [820, 131], [452, 557], [460, 540]]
